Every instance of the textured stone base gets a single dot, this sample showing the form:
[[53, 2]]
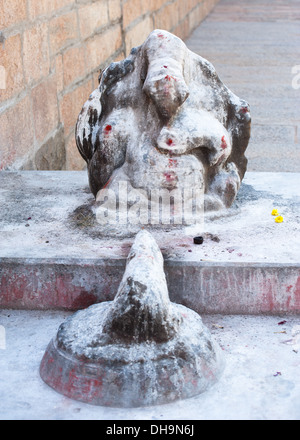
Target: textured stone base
[[131, 375], [137, 350], [246, 264]]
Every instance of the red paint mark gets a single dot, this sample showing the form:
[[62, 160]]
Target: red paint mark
[[72, 377], [165, 67], [268, 297], [169, 142], [224, 143], [297, 293], [170, 176], [245, 109], [91, 388], [169, 77], [107, 129], [84, 300], [172, 163], [107, 183], [59, 290], [160, 35], [281, 322], [288, 289]]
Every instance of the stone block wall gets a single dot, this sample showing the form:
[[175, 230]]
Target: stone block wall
[[51, 52]]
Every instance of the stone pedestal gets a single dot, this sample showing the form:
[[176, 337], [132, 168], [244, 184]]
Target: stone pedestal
[[247, 264]]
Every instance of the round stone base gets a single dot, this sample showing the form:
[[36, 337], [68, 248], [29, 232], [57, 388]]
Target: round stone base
[[84, 364]]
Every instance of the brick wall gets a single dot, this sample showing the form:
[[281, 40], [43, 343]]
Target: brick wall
[[50, 55]]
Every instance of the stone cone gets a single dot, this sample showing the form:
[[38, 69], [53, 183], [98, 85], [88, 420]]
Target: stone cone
[[140, 349]]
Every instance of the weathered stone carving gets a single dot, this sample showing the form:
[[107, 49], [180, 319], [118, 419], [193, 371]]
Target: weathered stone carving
[[162, 118], [140, 349]]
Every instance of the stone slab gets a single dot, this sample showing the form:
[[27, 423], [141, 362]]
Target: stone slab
[[247, 264]]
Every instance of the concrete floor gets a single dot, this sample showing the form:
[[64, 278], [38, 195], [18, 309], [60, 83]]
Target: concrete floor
[[260, 381], [254, 46]]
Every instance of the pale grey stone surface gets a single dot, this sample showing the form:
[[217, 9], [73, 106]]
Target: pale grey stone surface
[[254, 47], [139, 349], [163, 119], [260, 381]]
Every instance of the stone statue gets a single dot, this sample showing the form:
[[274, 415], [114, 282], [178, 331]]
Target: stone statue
[[162, 119], [139, 349]]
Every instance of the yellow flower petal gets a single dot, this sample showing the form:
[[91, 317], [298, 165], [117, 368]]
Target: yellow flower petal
[[279, 219], [274, 212]]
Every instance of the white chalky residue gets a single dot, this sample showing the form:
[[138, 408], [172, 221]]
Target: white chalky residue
[[139, 365]]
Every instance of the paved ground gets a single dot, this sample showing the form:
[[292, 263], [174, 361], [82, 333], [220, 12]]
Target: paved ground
[[260, 380], [254, 46]]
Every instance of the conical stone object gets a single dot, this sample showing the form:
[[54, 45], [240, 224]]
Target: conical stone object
[[140, 349]]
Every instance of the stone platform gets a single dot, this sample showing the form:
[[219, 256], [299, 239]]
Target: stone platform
[[247, 264]]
